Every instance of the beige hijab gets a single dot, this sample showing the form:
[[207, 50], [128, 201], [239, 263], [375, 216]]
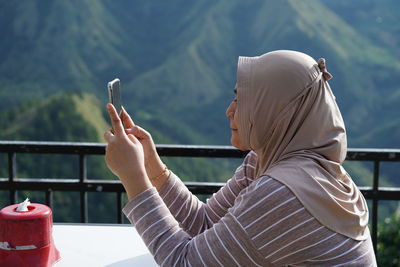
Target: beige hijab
[[288, 115]]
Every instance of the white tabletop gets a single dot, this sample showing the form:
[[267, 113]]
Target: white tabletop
[[100, 245]]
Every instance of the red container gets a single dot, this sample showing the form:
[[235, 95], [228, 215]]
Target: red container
[[26, 236]]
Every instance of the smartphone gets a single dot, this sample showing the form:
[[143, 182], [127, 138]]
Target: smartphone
[[114, 94]]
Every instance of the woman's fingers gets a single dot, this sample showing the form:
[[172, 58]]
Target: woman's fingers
[[115, 120], [133, 138], [108, 136], [126, 119], [138, 132]]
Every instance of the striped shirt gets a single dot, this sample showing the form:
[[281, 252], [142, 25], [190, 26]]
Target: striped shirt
[[248, 222]]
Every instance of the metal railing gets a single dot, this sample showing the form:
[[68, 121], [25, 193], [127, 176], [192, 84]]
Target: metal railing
[[84, 185]]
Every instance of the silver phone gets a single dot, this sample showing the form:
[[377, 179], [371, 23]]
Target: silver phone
[[114, 94]]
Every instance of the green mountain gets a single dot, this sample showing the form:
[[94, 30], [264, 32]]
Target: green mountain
[[62, 117], [376, 20], [50, 47], [177, 63], [177, 60]]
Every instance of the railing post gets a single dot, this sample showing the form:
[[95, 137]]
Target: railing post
[[119, 207], [12, 174], [375, 189], [83, 194], [49, 198]]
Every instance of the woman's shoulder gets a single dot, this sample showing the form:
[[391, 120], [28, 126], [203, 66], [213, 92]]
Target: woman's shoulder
[[251, 157], [245, 173], [249, 164], [273, 215], [266, 185]]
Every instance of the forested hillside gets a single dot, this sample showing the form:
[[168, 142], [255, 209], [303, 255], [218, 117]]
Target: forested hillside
[[177, 60]]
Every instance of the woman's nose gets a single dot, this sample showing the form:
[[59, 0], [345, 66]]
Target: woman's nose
[[230, 111]]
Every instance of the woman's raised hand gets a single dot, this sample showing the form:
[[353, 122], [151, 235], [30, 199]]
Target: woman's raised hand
[[125, 156], [152, 161]]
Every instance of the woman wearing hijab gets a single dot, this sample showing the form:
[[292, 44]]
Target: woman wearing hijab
[[290, 202]]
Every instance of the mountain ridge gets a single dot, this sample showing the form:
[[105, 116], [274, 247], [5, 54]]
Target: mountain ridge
[[178, 60]]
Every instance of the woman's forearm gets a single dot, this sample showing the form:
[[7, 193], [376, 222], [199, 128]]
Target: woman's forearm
[[134, 186], [157, 172]]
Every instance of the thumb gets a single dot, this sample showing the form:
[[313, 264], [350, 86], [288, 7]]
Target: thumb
[[126, 118], [138, 132], [133, 138], [108, 136]]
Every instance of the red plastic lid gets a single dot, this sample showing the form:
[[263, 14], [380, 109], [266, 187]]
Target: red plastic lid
[[35, 211]]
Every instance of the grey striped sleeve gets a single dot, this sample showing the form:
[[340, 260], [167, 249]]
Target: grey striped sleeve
[[224, 244], [195, 216]]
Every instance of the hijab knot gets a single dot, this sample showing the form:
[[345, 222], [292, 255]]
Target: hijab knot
[[322, 67]]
